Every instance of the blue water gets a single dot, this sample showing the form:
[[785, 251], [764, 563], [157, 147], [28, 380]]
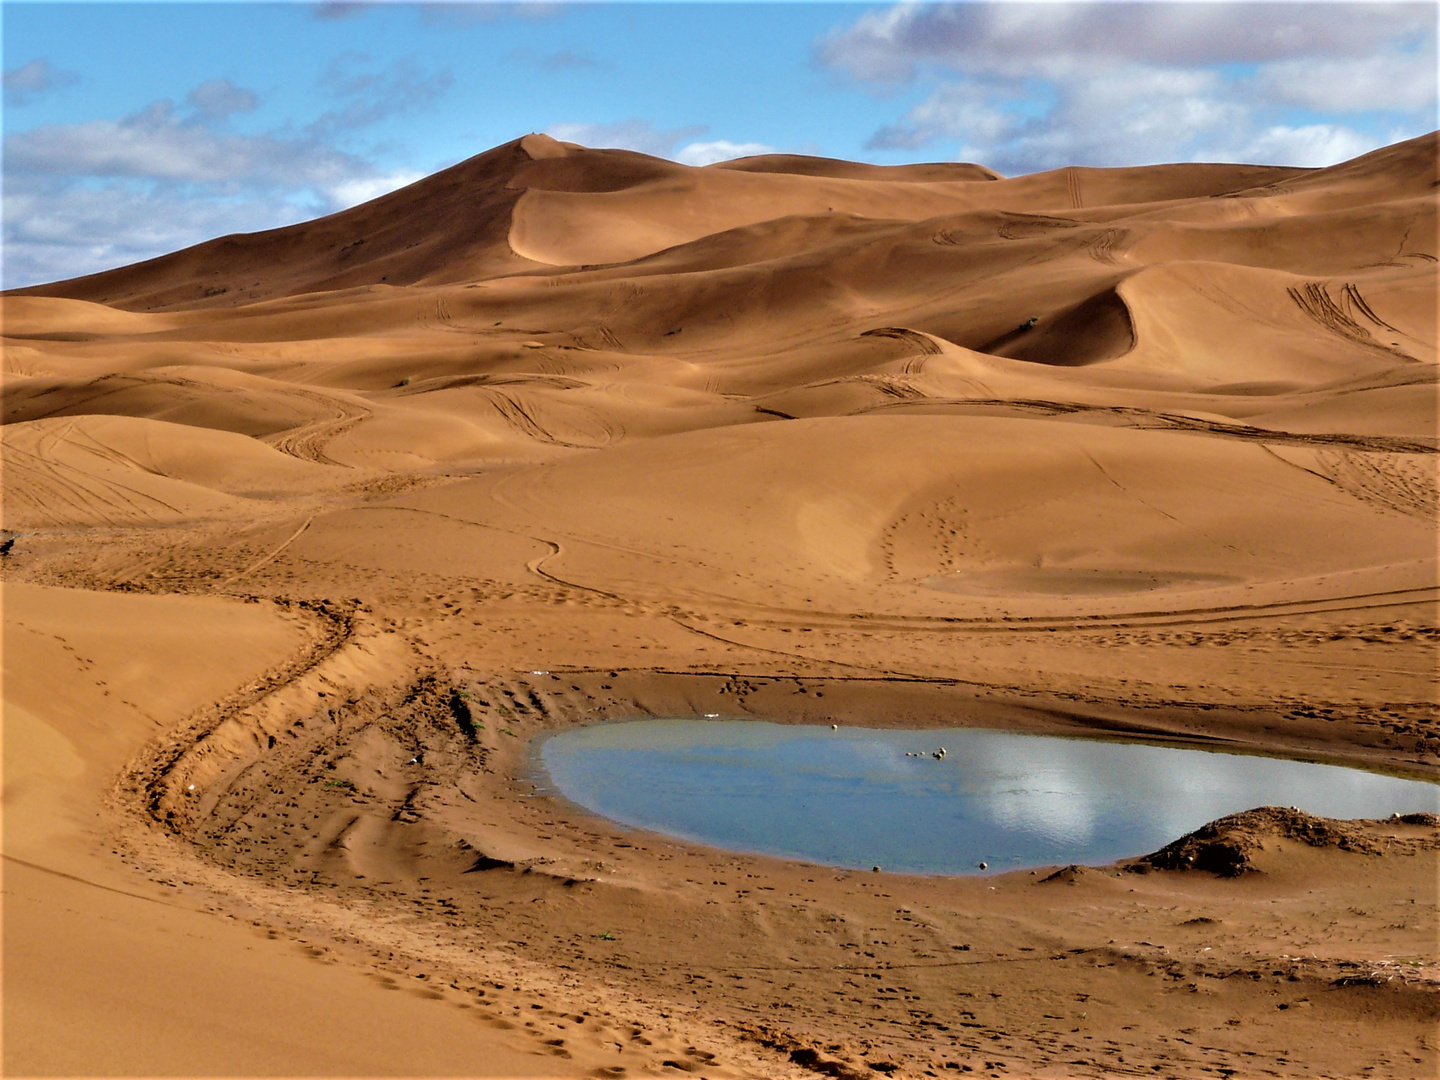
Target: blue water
[[853, 798]]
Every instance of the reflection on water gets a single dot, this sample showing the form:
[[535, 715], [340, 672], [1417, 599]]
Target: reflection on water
[[858, 797]]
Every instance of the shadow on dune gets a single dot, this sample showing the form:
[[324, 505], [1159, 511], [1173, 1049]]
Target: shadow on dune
[[1095, 329]]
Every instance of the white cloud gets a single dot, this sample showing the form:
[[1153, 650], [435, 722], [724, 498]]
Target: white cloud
[[1029, 86], [1132, 114], [158, 144], [639, 135], [645, 138], [969, 110], [218, 99], [25, 83], [1313, 146], [708, 153], [1399, 82], [79, 229], [357, 190], [89, 196], [1122, 115], [1012, 38]]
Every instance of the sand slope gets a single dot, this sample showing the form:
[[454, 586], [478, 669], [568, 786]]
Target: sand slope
[[561, 434], [109, 972]]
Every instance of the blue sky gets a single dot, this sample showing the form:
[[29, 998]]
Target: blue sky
[[135, 129]]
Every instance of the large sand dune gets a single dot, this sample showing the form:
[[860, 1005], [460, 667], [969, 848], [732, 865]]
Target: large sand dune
[[561, 434]]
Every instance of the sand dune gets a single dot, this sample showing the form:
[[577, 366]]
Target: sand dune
[[308, 532]]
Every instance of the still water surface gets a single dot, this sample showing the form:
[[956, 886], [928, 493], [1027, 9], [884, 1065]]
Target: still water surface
[[859, 797]]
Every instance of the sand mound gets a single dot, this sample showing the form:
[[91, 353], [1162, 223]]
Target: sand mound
[[122, 470], [1228, 847]]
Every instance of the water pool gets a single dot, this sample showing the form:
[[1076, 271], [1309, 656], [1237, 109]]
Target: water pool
[[858, 797]]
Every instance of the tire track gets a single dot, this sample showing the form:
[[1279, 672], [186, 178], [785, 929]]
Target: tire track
[[1383, 480], [150, 788], [1019, 226], [1315, 301], [1152, 420], [1356, 299], [922, 343], [272, 556], [308, 441], [1160, 617], [49, 486], [521, 416], [1102, 247]]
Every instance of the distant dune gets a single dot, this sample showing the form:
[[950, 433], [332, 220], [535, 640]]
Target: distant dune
[[308, 531]]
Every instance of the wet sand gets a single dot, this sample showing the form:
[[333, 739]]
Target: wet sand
[[308, 536]]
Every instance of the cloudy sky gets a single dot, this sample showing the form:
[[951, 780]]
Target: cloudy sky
[[135, 129]]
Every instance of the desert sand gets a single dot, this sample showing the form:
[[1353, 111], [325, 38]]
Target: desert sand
[[308, 533]]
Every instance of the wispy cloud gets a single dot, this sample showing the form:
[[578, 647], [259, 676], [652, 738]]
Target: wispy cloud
[[30, 80], [219, 99], [560, 60], [340, 9], [443, 11], [484, 11], [365, 94]]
